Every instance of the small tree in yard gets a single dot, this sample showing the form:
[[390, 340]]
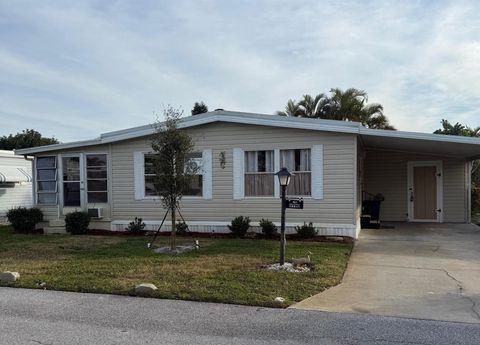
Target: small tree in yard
[[174, 174]]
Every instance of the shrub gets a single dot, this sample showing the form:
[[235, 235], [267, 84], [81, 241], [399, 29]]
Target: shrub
[[240, 226], [77, 222], [136, 226], [268, 228], [306, 230], [24, 219], [182, 228]]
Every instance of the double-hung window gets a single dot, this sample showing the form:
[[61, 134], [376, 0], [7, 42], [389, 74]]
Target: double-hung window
[[196, 185], [149, 175], [298, 162], [46, 180], [259, 173], [97, 178]]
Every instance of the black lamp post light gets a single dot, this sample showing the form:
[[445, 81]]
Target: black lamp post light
[[284, 179]]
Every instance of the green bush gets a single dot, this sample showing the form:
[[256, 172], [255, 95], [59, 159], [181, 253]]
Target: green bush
[[476, 200], [306, 230], [24, 219], [136, 226], [240, 226], [77, 222], [268, 228], [182, 228]]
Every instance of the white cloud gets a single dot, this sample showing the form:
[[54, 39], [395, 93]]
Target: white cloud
[[90, 67]]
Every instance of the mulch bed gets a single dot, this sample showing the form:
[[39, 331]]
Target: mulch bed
[[258, 236]]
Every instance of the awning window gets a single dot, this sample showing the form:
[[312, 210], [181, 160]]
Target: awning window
[[14, 174]]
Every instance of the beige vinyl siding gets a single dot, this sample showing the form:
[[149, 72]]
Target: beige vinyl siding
[[454, 191], [337, 206], [360, 180], [386, 173]]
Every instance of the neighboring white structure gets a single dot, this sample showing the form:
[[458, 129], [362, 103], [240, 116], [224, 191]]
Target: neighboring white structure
[[15, 182]]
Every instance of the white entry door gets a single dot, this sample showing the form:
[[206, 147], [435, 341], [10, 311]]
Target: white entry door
[[73, 181], [425, 191]]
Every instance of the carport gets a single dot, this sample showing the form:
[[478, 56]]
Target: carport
[[421, 177]]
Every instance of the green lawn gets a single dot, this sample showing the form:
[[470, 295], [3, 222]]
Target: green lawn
[[222, 270]]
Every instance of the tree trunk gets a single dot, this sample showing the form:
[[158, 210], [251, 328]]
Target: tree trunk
[[173, 243]]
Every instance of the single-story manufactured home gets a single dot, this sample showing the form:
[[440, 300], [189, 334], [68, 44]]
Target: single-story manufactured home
[[15, 182], [422, 177]]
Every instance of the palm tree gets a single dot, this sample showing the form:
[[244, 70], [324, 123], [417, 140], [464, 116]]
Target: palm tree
[[372, 116], [348, 105], [351, 105], [292, 109], [457, 129], [314, 106], [475, 132]]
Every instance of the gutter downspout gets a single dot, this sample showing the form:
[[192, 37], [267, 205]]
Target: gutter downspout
[[32, 160]]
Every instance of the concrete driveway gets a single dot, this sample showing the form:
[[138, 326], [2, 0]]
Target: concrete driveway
[[427, 271]]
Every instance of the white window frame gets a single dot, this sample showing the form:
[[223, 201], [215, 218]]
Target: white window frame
[[82, 171], [439, 179], [275, 180], [35, 180], [294, 172], [107, 160], [316, 172], [141, 183]]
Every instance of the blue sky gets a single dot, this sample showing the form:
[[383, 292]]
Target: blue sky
[[74, 69]]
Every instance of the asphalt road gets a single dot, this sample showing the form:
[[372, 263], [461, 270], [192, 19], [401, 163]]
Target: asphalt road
[[48, 317]]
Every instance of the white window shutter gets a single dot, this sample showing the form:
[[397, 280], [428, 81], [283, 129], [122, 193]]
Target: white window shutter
[[317, 171], [138, 175], [238, 174], [207, 173], [276, 168]]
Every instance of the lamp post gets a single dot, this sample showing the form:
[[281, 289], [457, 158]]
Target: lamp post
[[284, 179]]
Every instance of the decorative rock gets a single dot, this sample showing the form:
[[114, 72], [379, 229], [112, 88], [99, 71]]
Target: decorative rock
[[145, 288], [279, 299], [287, 267], [177, 250], [9, 277]]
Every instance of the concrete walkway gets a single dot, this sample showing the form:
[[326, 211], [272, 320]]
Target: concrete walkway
[[426, 271]]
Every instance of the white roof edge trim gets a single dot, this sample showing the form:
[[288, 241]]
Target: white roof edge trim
[[419, 136], [191, 121], [54, 147], [254, 119], [269, 122]]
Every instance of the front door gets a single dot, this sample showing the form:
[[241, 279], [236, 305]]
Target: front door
[[425, 204], [73, 181]]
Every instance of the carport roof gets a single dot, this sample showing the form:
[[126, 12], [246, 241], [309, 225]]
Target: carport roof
[[423, 143], [437, 144]]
